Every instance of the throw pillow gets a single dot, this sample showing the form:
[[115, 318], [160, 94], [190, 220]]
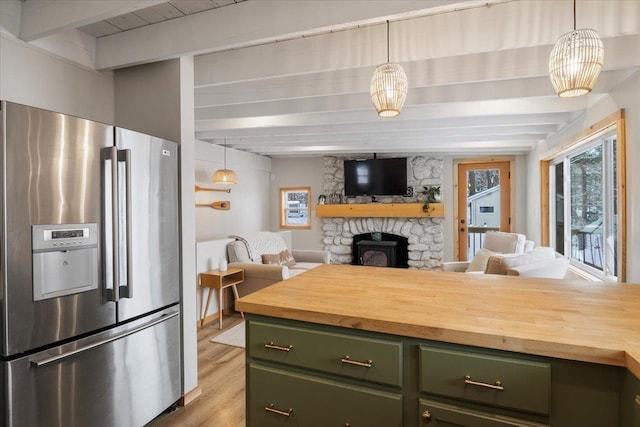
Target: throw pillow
[[282, 258], [286, 258], [479, 262], [271, 259]]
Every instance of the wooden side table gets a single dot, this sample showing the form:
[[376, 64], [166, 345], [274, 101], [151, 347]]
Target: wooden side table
[[220, 280]]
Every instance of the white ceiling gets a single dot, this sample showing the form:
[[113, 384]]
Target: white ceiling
[[291, 78]]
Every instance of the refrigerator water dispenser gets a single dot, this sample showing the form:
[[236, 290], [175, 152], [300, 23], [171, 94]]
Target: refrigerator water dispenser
[[65, 259]]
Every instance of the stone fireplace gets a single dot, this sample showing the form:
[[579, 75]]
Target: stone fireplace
[[423, 235]]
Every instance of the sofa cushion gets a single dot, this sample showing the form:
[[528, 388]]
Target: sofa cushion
[[305, 265], [549, 269], [498, 264], [479, 262]]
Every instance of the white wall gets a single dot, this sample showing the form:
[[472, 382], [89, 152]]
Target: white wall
[[31, 76], [299, 172], [148, 99], [626, 97], [250, 197], [250, 203]]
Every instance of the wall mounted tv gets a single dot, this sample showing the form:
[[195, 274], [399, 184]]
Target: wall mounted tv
[[375, 177]]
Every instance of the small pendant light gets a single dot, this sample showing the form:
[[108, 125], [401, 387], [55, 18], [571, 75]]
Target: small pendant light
[[388, 87], [225, 176], [576, 61]]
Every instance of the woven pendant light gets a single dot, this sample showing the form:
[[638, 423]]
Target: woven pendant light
[[225, 176], [388, 87], [576, 61]]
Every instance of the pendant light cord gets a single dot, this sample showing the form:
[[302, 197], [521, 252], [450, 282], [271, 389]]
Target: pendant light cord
[[574, 15], [225, 154], [388, 40]]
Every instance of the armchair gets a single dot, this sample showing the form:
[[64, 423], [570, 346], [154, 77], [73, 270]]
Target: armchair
[[494, 242]]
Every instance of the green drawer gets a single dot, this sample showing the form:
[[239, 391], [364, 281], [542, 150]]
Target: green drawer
[[442, 415], [330, 352], [276, 397], [473, 377]]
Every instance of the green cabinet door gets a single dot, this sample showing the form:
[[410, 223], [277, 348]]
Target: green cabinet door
[[630, 407], [277, 397], [492, 380], [361, 357], [439, 414]]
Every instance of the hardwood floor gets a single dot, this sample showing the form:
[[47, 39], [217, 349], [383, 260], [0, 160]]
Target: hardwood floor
[[221, 375]]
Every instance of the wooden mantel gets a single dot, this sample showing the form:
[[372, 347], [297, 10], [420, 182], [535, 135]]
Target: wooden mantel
[[380, 210]]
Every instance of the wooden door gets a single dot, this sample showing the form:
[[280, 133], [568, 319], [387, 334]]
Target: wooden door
[[484, 204]]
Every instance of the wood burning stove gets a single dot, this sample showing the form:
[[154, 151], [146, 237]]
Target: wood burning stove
[[378, 254]]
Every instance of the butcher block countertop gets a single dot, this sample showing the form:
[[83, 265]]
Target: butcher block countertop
[[575, 320]]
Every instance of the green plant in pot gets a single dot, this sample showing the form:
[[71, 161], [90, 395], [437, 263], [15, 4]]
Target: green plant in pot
[[430, 193]]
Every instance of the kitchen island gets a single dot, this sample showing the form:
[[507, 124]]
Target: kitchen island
[[571, 349]]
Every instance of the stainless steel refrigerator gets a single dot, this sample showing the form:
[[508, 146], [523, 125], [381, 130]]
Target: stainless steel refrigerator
[[89, 272]]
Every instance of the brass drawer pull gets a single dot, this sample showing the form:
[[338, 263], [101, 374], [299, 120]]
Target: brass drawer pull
[[347, 361], [496, 386], [271, 408], [272, 346], [426, 417]]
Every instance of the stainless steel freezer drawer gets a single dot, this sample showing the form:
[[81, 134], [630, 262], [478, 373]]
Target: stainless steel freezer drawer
[[121, 377]]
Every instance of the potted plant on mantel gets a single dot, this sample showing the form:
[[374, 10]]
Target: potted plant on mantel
[[431, 194]]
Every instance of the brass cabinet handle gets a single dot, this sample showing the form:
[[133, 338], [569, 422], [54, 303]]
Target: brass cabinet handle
[[426, 417], [347, 361], [497, 386], [271, 408], [272, 346]]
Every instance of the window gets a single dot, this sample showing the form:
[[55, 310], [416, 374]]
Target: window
[[294, 207], [584, 203]]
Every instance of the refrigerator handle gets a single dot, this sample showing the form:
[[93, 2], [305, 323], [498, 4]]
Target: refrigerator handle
[[126, 291], [51, 359], [110, 215]]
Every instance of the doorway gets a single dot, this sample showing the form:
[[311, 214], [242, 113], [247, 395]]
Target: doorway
[[484, 204]]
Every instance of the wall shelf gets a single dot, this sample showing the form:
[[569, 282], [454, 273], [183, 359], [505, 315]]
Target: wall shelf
[[380, 210]]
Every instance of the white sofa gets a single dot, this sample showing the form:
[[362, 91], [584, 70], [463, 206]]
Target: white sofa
[[258, 275]]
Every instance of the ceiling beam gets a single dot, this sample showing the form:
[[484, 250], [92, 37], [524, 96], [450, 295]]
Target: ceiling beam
[[535, 120], [481, 41], [41, 18], [532, 105], [249, 23]]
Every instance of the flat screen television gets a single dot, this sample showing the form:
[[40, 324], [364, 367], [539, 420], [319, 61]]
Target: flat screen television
[[375, 177]]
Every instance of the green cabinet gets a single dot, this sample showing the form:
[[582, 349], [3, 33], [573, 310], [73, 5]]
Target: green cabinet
[[306, 374], [279, 397]]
